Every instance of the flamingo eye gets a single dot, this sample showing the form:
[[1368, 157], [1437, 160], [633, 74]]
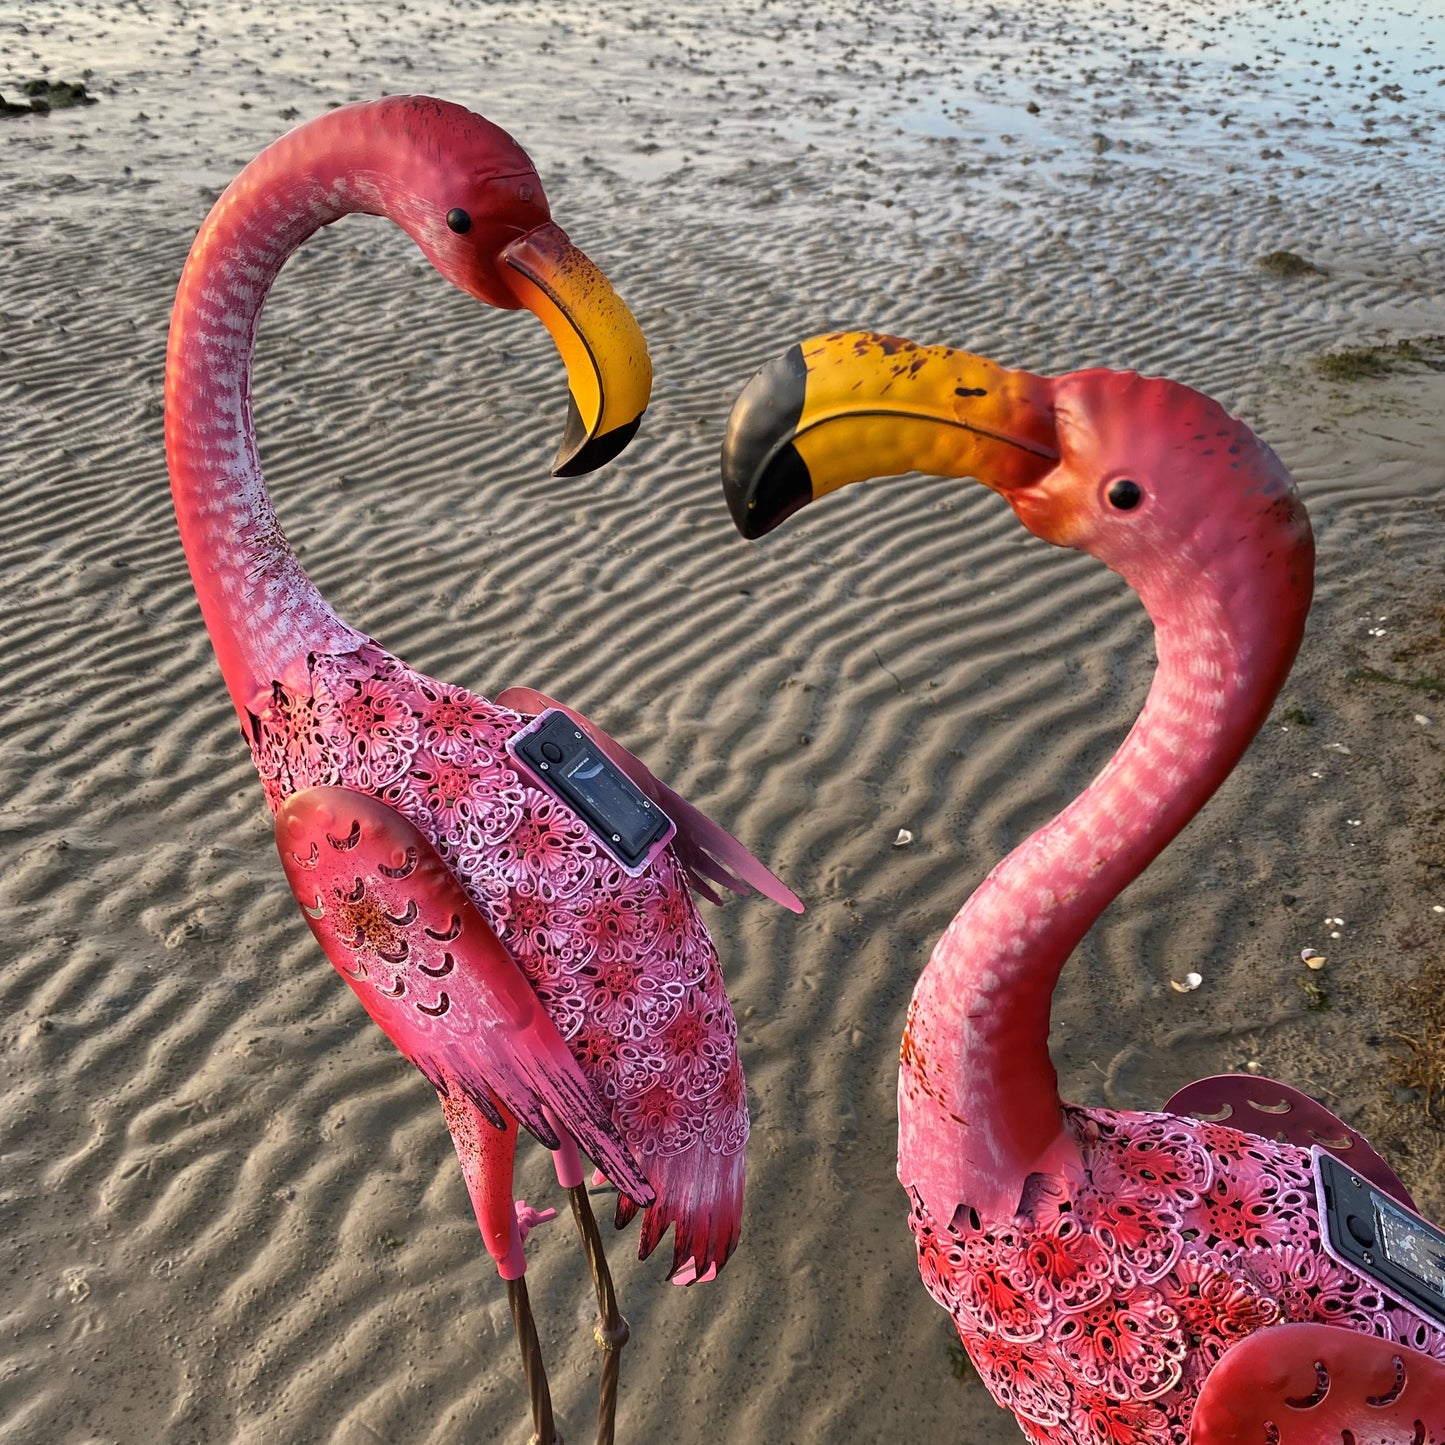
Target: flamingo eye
[[1125, 495], [459, 220]]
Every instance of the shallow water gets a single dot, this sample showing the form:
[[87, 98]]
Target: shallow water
[[1198, 85]]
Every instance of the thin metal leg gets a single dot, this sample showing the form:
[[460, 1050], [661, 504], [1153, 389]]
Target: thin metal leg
[[544, 1430], [612, 1331]]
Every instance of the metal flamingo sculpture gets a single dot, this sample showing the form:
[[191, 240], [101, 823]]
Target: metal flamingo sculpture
[[534, 971], [1119, 1277]]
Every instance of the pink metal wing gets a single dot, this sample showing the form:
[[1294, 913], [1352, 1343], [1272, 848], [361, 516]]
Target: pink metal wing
[[1311, 1384], [429, 969], [708, 853], [1278, 1112]]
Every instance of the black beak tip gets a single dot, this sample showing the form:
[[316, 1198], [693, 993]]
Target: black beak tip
[[764, 479], [578, 456], [770, 496]]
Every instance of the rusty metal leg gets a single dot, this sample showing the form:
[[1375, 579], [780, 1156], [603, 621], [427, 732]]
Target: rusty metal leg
[[544, 1430], [612, 1331]]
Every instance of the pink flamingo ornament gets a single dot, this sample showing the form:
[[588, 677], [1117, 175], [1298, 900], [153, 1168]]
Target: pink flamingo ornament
[[534, 973], [1117, 1277]]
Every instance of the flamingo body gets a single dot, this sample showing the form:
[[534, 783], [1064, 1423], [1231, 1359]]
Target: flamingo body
[[623, 966], [1099, 1266], [1099, 1311]]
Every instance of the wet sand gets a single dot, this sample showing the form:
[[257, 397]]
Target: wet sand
[[230, 1211]]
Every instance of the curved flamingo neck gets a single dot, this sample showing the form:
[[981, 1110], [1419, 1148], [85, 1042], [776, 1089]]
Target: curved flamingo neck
[[263, 612], [978, 1095]]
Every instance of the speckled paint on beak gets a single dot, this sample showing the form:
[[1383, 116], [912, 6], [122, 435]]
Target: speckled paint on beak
[[854, 405]]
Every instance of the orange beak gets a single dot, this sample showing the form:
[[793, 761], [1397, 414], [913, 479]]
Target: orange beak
[[855, 405], [609, 373]]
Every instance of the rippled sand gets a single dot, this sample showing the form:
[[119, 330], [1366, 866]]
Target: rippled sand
[[229, 1211]]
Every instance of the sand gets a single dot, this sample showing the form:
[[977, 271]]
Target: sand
[[229, 1210]]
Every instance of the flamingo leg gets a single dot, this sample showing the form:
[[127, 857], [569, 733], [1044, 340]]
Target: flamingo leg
[[544, 1430], [487, 1154], [612, 1330]]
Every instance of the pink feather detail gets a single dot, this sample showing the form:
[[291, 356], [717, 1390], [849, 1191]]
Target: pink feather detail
[[709, 854], [1276, 1111], [431, 972], [1309, 1384]]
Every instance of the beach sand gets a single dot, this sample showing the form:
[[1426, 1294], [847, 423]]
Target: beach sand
[[229, 1211]]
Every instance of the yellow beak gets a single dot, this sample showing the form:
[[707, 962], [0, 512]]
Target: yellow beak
[[609, 372], [854, 405]]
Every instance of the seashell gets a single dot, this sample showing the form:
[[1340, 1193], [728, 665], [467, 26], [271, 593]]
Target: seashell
[[1191, 982], [903, 839]]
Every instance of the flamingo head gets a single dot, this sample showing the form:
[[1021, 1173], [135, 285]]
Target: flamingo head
[[1156, 480], [470, 197]]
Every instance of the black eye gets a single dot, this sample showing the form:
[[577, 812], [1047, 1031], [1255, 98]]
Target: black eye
[[1125, 495], [458, 220]]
